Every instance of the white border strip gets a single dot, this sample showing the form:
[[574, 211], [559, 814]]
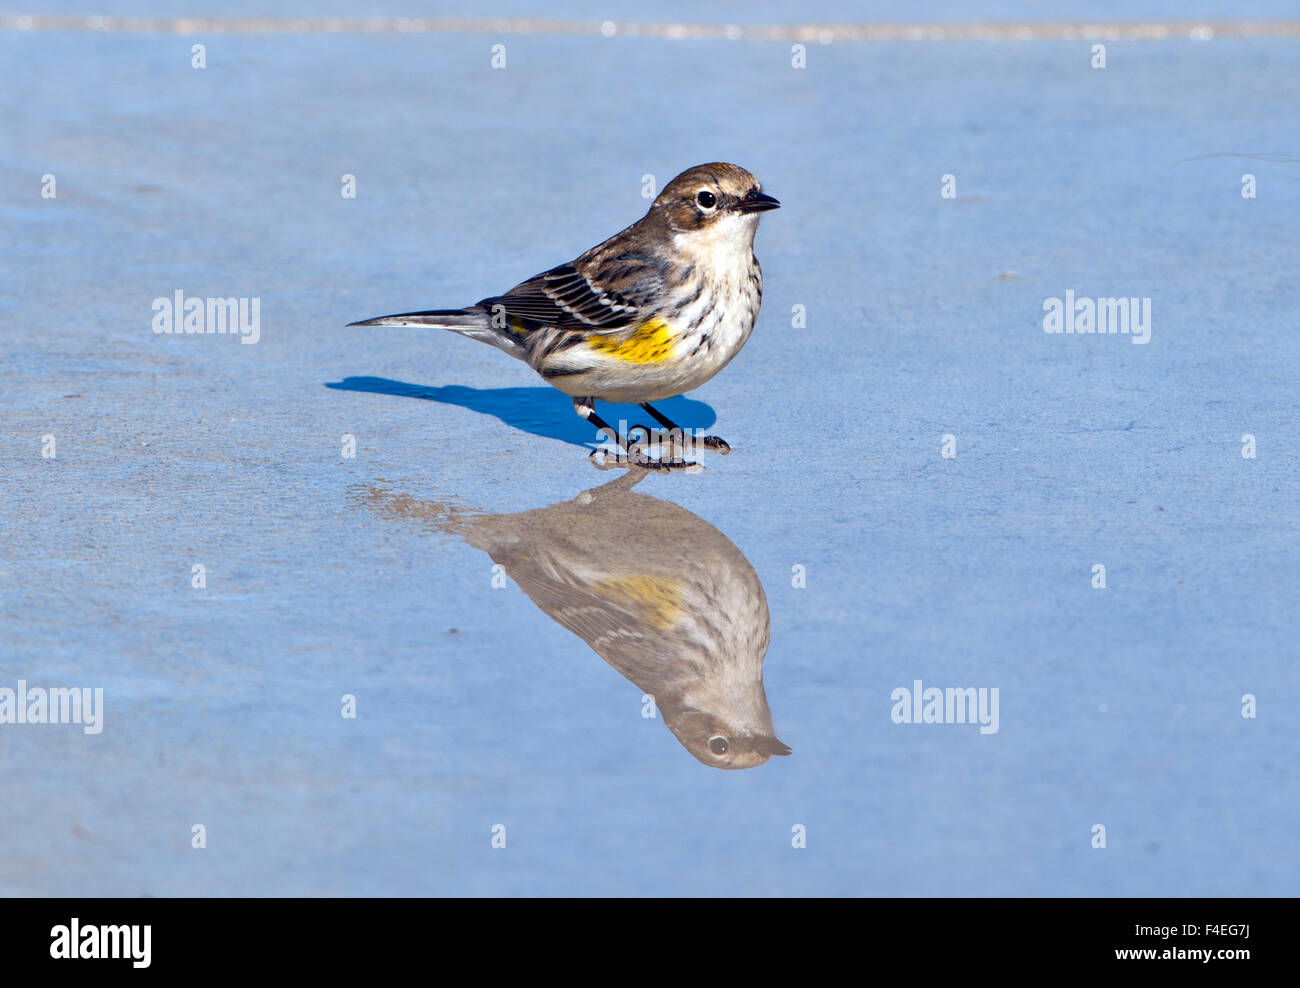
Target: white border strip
[[823, 33]]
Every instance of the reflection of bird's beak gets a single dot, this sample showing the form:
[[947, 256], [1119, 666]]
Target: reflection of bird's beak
[[756, 202], [770, 745]]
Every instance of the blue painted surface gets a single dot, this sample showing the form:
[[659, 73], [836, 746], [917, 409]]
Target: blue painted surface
[[924, 318]]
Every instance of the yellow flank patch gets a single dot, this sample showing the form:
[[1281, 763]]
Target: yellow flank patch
[[516, 326], [650, 343], [658, 601]]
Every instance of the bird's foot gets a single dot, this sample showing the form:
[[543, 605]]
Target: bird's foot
[[635, 456], [677, 443], [660, 465], [672, 446], [636, 459]]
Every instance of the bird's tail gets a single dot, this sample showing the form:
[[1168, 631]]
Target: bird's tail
[[473, 322]]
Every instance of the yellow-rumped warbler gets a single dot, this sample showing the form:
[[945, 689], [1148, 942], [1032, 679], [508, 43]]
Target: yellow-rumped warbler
[[652, 312], [671, 603]]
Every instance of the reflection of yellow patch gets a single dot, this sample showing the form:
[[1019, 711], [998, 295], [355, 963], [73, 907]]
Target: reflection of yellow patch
[[650, 343], [658, 601]]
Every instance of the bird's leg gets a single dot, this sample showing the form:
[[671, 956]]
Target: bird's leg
[[629, 452], [586, 409], [710, 442], [632, 452]]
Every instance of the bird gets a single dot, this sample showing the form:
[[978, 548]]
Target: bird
[[651, 313], [668, 601]]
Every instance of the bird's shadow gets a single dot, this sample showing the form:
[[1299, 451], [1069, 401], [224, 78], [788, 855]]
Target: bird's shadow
[[541, 411]]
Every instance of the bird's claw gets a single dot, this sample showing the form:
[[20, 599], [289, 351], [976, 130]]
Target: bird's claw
[[673, 444], [670, 460], [636, 457], [676, 441]]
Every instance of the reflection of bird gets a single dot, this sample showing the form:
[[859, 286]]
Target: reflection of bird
[[659, 593], [652, 312]]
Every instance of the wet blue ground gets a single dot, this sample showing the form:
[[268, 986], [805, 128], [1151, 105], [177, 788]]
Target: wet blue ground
[[1119, 706]]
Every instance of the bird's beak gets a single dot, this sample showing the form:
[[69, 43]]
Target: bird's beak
[[756, 202]]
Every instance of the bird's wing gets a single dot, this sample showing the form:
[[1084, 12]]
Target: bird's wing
[[619, 630], [605, 298], [629, 620]]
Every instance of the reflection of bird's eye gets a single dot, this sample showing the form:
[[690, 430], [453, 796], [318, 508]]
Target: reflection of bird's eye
[[718, 744], [708, 200]]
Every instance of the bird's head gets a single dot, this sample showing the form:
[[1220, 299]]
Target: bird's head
[[720, 744], [711, 201]]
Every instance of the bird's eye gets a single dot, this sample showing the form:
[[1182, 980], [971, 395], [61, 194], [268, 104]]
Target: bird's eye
[[718, 744], [706, 199]]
